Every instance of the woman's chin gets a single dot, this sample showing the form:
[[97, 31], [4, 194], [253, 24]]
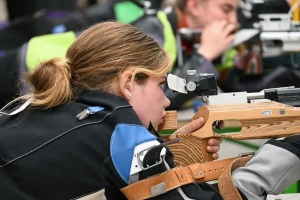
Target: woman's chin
[[161, 121]]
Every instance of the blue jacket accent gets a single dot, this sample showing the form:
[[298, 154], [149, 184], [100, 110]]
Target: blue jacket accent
[[123, 141]]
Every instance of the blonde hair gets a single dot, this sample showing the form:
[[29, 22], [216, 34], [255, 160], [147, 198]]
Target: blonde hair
[[95, 61]]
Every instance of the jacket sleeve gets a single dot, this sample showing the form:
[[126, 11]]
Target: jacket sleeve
[[274, 167]]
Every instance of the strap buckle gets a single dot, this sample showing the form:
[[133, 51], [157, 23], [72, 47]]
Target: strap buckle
[[246, 154], [141, 153]]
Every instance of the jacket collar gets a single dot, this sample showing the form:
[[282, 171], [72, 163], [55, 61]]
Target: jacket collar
[[97, 97]]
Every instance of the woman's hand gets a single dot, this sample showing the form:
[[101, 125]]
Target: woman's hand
[[213, 146], [213, 143], [215, 39]]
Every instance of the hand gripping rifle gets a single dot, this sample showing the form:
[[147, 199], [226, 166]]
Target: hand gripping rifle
[[271, 113]]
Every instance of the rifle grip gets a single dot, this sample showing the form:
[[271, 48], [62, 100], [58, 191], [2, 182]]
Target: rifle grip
[[190, 150]]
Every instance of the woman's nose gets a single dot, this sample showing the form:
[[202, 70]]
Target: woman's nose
[[232, 18], [167, 102]]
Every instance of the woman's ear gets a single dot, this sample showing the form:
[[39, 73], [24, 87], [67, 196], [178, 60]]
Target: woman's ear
[[192, 7], [126, 84]]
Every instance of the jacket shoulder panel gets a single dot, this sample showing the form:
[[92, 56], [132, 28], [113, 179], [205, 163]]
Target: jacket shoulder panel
[[123, 141]]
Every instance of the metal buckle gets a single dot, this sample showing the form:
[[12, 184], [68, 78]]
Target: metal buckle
[[246, 154], [141, 163]]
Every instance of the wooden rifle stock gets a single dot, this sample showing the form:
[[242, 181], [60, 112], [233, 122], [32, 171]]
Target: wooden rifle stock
[[258, 120], [170, 121]]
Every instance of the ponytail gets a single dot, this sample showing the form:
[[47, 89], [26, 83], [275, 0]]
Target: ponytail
[[50, 83]]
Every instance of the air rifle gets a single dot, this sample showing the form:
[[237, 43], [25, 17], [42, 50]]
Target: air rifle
[[279, 34], [271, 113]]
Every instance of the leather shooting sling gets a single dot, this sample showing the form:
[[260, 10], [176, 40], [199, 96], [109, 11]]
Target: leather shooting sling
[[183, 175], [200, 171]]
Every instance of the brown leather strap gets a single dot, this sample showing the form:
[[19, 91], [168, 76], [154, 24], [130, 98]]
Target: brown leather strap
[[208, 171], [226, 185], [175, 178]]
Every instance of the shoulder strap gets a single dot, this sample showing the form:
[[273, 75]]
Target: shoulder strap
[[180, 176]]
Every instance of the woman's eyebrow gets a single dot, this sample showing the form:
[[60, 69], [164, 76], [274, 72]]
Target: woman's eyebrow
[[164, 77], [228, 6]]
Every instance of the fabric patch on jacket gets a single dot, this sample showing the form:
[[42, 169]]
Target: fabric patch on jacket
[[123, 141]]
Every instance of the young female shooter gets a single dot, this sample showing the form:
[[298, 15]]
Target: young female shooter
[[87, 114]]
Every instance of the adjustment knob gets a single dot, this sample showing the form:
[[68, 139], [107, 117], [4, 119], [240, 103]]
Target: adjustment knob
[[191, 86]]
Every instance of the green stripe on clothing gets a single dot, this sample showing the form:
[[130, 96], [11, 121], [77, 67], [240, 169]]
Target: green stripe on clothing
[[228, 61], [45, 47], [170, 40]]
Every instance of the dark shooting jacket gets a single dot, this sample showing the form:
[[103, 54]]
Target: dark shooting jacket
[[50, 154]]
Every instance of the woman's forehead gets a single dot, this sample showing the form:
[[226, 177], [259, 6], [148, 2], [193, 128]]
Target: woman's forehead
[[229, 3]]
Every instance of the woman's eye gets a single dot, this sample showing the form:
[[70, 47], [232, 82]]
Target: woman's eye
[[162, 84], [227, 9]]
